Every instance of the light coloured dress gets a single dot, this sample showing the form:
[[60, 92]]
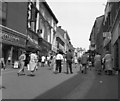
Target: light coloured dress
[[33, 62], [108, 62]]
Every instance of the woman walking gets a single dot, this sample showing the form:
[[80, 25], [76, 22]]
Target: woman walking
[[33, 62], [98, 63], [22, 59], [108, 63]]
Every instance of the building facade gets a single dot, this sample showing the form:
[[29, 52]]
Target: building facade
[[42, 24], [99, 34], [60, 40], [47, 26], [110, 28], [13, 35], [33, 30]]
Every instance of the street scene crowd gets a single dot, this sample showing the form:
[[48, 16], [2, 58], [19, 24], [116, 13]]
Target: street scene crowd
[[32, 61]]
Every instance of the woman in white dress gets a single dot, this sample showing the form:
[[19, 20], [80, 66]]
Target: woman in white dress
[[33, 62], [108, 63]]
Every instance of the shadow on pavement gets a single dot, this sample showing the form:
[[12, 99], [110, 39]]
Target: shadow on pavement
[[2, 87], [62, 89], [31, 75]]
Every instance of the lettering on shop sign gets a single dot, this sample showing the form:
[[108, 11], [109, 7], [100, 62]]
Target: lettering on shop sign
[[9, 37]]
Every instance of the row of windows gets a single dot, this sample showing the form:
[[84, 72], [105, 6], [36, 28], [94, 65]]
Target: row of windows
[[112, 15]]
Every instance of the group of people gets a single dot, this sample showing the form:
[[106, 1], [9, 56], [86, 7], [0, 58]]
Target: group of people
[[54, 61], [101, 64], [58, 60], [33, 60], [29, 60]]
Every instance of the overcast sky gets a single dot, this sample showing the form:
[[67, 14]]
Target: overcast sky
[[77, 17]]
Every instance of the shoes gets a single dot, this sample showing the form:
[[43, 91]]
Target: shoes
[[71, 72]]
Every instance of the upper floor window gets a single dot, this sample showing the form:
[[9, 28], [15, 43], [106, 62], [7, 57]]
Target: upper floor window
[[3, 12], [32, 16]]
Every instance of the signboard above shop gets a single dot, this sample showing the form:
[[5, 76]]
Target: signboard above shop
[[107, 34], [12, 37]]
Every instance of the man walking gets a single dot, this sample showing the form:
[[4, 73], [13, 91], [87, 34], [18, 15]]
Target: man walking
[[69, 57], [59, 59], [84, 60], [43, 61]]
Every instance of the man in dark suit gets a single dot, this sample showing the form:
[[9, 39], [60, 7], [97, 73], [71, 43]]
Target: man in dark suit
[[69, 57]]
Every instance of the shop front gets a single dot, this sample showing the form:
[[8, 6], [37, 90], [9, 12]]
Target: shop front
[[45, 47], [115, 44], [12, 43], [32, 41]]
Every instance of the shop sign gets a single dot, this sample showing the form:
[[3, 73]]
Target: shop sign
[[54, 48], [12, 38], [107, 34]]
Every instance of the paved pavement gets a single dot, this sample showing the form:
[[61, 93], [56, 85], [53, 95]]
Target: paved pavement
[[28, 87], [47, 85]]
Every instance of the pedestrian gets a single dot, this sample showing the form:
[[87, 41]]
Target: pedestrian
[[39, 58], [108, 63], [22, 59], [53, 63], [27, 58], [48, 60], [75, 61], [59, 59], [2, 63], [84, 60], [43, 61], [69, 58], [33, 62], [103, 63], [98, 63]]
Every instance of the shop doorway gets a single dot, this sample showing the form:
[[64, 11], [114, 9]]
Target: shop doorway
[[116, 55], [5, 51]]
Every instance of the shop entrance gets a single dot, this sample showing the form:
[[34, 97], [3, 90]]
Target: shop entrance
[[116, 55], [5, 51]]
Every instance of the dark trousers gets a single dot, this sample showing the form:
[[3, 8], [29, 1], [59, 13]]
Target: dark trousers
[[85, 68], [69, 66], [58, 66]]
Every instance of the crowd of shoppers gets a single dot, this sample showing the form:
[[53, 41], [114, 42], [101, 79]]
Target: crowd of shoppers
[[33, 60]]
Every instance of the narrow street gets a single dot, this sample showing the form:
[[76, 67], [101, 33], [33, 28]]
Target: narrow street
[[63, 35], [47, 85]]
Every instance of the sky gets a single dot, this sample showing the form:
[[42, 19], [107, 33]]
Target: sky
[[77, 17]]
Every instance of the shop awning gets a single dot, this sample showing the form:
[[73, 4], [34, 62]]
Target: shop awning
[[32, 46]]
